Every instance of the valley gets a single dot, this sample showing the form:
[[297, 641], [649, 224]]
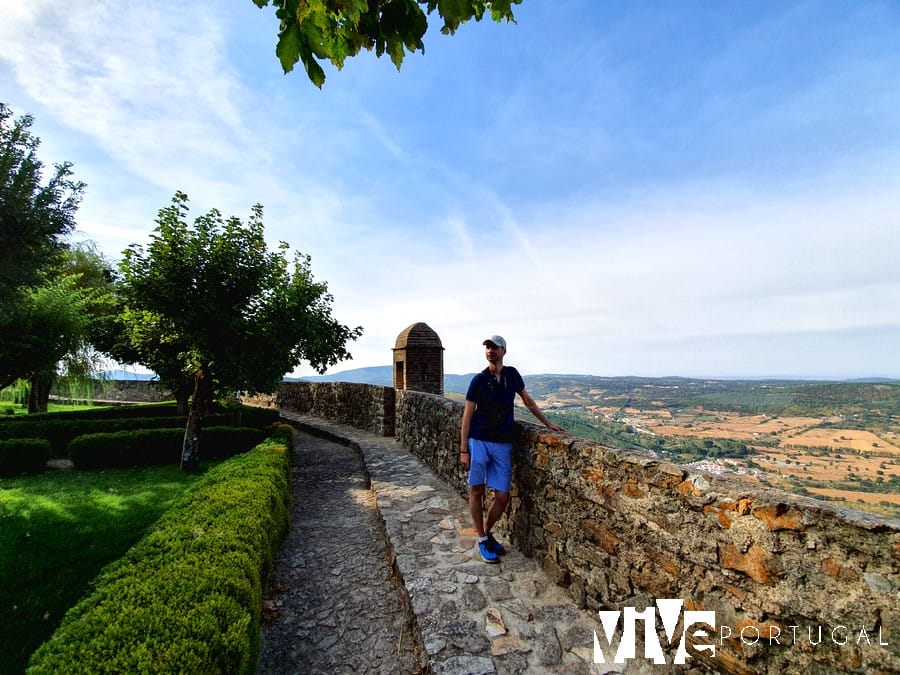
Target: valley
[[837, 441]]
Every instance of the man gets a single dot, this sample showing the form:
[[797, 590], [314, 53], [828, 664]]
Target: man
[[486, 440]]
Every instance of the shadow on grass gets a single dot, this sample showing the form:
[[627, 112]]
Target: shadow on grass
[[57, 531]]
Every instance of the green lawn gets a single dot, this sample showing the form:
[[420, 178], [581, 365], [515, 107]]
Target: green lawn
[[57, 530]]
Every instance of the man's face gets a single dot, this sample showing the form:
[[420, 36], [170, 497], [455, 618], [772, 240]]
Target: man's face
[[493, 353]]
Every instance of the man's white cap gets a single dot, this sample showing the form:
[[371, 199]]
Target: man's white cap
[[495, 339]]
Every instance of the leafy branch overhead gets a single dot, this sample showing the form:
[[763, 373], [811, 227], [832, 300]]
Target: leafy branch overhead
[[316, 30]]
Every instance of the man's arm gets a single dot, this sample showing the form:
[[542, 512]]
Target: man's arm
[[536, 411], [468, 411]]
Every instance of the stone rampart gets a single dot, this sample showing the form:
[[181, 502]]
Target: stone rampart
[[797, 585], [362, 406]]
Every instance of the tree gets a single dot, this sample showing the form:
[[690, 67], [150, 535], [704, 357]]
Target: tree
[[33, 216], [210, 301], [80, 366], [48, 300], [43, 325], [149, 338], [48, 329], [314, 30]]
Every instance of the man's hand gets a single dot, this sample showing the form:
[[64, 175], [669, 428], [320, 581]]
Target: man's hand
[[464, 459]]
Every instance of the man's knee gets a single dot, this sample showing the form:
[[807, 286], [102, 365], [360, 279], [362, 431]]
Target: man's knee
[[501, 498], [476, 491]]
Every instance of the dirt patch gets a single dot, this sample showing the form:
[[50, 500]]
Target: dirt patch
[[851, 439], [849, 496], [703, 424]]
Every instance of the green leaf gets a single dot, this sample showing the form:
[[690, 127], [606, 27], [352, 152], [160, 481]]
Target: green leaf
[[288, 48], [313, 69], [502, 10]]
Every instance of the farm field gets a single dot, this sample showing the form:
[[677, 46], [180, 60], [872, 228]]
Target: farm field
[[834, 441], [823, 461]]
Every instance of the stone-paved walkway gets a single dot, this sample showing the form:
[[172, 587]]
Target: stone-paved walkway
[[333, 603], [333, 583]]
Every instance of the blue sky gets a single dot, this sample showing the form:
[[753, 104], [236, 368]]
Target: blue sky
[[640, 188]]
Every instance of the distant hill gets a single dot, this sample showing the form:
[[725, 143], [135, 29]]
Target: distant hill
[[457, 383], [383, 376], [749, 396]]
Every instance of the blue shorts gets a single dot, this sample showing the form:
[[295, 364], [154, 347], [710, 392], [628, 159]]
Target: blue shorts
[[490, 464]]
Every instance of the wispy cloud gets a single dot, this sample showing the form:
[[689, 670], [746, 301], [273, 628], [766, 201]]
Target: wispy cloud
[[130, 77], [616, 189]]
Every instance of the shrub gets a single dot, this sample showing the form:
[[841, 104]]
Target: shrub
[[118, 449], [187, 597], [244, 416], [155, 447], [23, 455], [60, 429], [60, 432], [110, 412], [224, 442]]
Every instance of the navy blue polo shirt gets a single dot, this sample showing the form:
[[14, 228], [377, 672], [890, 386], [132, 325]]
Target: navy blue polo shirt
[[494, 400]]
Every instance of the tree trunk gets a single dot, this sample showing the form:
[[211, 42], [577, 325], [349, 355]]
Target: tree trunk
[[39, 392], [200, 401], [183, 390], [182, 406]]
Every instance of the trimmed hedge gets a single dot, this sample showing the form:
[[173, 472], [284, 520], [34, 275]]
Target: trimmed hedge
[[187, 597], [155, 447], [225, 442], [61, 431], [104, 412], [23, 455], [118, 449], [107, 412]]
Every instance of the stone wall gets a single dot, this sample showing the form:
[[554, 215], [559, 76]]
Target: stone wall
[[124, 391], [363, 406], [796, 585]]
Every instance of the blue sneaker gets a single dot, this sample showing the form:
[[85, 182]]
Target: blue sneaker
[[487, 553], [495, 545]]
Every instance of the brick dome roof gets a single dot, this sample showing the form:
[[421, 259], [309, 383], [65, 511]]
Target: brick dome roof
[[418, 335]]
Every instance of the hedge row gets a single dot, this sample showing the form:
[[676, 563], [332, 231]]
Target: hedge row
[[168, 409], [155, 447], [187, 597], [23, 455], [60, 432]]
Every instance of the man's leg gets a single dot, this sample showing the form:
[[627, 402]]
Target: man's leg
[[476, 507], [498, 507], [479, 477], [499, 478]]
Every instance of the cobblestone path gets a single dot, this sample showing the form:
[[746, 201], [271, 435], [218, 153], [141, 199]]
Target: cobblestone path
[[334, 604]]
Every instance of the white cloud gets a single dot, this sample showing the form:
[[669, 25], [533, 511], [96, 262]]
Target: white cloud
[[152, 87], [630, 203]]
